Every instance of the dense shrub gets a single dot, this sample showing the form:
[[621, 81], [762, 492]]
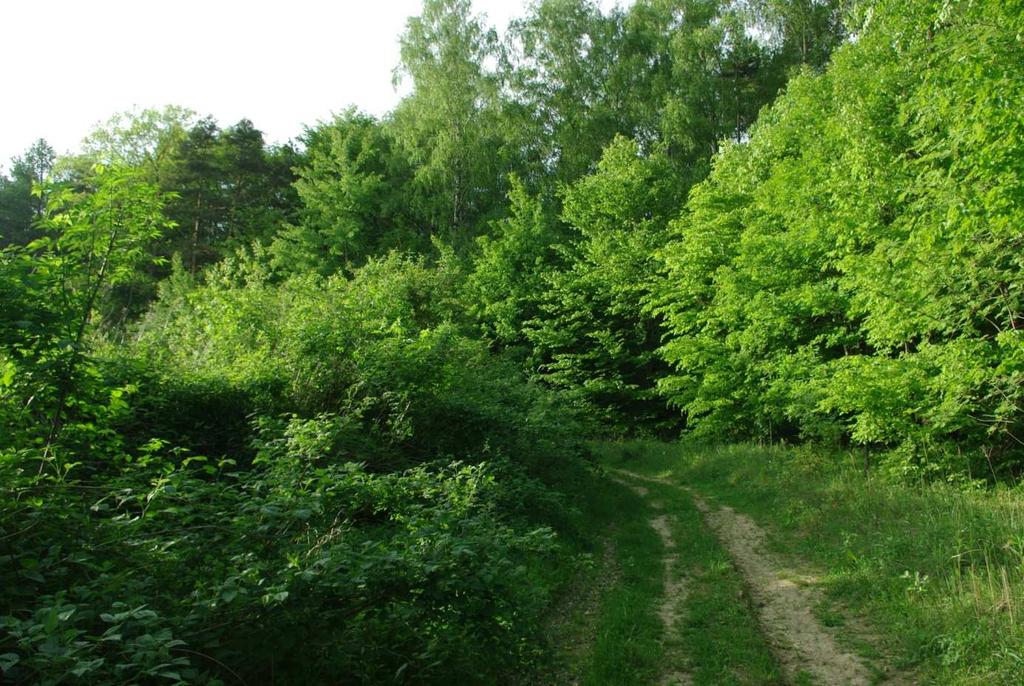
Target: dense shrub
[[321, 480]]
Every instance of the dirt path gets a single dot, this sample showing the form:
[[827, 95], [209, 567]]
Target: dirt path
[[801, 643], [675, 586], [799, 640]]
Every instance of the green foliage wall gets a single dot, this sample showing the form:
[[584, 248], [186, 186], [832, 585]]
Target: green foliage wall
[[591, 335], [354, 188], [323, 479], [854, 269]]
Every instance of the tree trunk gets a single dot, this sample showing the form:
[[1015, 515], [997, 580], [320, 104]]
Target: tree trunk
[[69, 372]]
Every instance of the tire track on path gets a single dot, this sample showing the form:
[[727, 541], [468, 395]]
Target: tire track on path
[[675, 586], [801, 643]]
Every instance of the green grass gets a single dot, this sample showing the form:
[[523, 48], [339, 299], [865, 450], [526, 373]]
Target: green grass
[[622, 640], [627, 647], [720, 641], [937, 571]]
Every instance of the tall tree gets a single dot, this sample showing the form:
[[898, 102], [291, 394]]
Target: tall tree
[[561, 55], [353, 187], [592, 337], [55, 287], [448, 126], [510, 271], [257, 185], [20, 208], [145, 139], [803, 31]]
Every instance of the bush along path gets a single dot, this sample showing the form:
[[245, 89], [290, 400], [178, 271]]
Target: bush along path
[[733, 612]]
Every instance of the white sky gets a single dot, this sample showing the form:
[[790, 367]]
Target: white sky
[[71, 64]]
